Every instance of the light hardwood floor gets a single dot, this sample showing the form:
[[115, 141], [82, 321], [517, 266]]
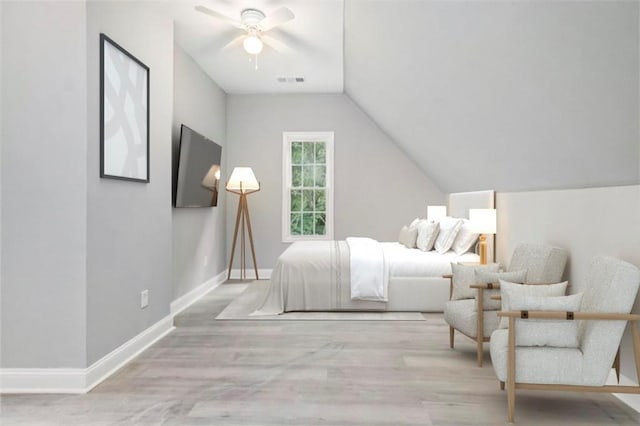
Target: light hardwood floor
[[210, 372]]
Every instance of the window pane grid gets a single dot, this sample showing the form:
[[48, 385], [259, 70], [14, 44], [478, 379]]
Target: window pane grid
[[307, 188]]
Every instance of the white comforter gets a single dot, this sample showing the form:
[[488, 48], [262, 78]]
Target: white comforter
[[316, 275], [404, 262], [369, 270]]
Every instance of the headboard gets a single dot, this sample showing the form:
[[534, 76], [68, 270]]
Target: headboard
[[461, 202]]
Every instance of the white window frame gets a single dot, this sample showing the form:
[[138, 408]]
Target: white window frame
[[287, 139]]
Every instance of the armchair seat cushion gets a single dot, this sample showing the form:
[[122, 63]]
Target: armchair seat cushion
[[461, 315], [543, 365]]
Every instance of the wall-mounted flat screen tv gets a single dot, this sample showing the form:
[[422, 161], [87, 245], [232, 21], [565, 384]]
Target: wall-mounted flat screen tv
[[198, 170]]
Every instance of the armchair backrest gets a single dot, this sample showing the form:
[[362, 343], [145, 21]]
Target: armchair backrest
[[544, 263], [611, 287]]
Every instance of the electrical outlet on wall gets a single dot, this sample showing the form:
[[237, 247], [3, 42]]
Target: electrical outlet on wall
[[144, 299]]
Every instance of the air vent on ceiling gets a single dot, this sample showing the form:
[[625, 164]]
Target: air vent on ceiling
[[290, 79]]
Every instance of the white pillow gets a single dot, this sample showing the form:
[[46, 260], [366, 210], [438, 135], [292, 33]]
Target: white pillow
[[449, 228], [464, 276], [542, 332], [465, 238], [408, 237], [427, 233], [484, 277], [414, 223], [522, 291]]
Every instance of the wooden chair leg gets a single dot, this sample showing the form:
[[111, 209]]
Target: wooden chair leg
[[511, 401], [480, 326], [511, 371], [636, 347], [451, 337]]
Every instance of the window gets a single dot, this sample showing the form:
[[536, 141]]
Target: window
[[307, 196]]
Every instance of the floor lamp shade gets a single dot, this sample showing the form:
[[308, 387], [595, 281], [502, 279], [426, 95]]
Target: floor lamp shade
[[483, 222], [242, 182]]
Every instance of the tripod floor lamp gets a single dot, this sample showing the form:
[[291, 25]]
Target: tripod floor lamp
[[242, 182]]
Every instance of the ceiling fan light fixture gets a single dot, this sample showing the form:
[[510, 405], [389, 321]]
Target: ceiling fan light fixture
[[252, 44]]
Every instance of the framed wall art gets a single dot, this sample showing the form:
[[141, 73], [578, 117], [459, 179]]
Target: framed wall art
[[124, 114]]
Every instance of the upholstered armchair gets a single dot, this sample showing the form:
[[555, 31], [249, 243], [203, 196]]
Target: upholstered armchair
[[476, 318], [520, 362]]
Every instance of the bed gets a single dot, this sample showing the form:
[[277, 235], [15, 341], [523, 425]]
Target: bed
[[316, 275]]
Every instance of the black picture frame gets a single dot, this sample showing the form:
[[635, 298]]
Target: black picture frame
[[124, 114]]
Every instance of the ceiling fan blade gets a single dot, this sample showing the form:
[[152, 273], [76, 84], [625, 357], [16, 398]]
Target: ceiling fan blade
[[276, 44], [235, 42], [278, 17], [220, 16]]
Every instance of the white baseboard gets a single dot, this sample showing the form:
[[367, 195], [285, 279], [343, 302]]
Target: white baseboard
[[264, 274], [114, 360], [43, 380], [184, 301], [82, 380], [631, 400]]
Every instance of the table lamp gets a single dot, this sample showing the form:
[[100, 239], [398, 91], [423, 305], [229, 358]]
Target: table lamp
[[483, 222], [435, 213]]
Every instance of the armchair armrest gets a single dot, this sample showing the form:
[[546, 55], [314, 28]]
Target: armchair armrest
[[450, 278], [561, 315], [495, 286], [486, 286]]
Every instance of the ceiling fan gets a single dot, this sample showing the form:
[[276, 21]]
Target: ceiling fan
[[255, 24]]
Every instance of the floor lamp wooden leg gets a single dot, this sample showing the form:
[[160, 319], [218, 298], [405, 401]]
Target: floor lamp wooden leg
[[235, 236], [243, 260], [253, 251], [451, 337]]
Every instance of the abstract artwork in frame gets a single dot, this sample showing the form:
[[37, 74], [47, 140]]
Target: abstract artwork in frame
[[124, 114]]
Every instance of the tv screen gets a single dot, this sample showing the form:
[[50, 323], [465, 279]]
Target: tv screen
[[198, 170]]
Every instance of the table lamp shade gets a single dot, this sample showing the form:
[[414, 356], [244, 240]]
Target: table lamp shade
[[483, 221], [242, 180], [435, 213]]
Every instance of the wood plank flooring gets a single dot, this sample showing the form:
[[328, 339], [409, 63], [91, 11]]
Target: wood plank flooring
[[210, 372]]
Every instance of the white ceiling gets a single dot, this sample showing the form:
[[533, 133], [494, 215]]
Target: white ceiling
[[314, 39], [505, 95]]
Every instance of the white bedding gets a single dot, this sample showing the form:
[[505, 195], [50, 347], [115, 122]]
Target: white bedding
[[315, 276], [369, 269], [409, 263]]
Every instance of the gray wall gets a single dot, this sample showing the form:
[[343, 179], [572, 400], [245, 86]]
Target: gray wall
[[377, 187], [199, 234], [587, 222], [129, 223], [44, 193], [509, 95]]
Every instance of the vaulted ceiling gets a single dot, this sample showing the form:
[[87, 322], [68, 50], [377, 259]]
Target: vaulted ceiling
[[505, 95]]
